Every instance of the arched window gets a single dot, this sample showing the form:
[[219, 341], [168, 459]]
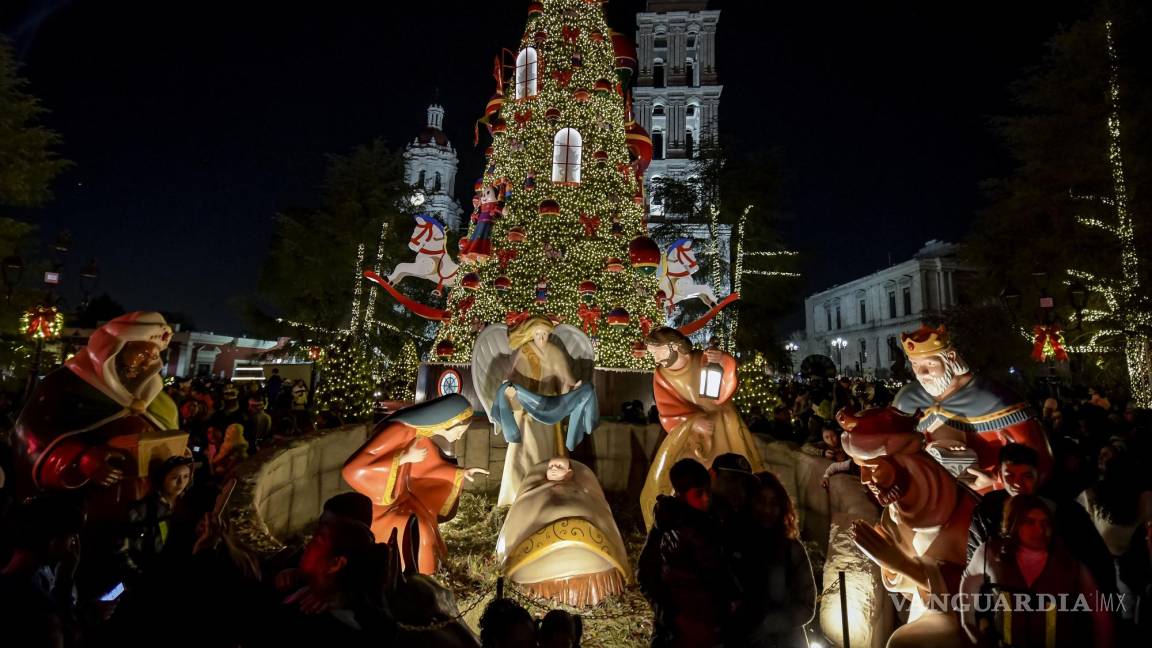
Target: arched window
[[658, 110], [566, 147], [689, 144], [657, 145], [436, 185], [421, 180], [526, 73]]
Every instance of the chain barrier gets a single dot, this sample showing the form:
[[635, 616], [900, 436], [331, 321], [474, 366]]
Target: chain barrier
[[450, 620]]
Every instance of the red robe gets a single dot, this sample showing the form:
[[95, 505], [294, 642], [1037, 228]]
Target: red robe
[[428, 489]]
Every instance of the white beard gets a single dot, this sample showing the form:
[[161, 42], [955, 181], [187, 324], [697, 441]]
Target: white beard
[[937, 386]]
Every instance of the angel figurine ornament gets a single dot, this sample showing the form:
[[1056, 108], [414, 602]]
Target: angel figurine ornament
[[531, 378]]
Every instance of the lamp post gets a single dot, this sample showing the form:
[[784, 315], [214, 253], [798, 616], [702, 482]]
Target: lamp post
[[791, 347], [839, 344]]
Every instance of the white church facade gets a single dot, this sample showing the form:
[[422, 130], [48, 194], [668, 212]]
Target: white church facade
[[430, 167]]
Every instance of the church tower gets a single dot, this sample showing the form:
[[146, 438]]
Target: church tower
[[430, 166], [677, 94]]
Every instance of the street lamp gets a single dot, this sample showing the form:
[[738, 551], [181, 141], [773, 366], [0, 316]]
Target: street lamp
[[839, 344]]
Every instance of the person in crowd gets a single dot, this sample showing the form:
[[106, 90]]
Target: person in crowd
[[505, 624], [231, 413], [780, 427], [351, 507], [1025, 561], [682, 569], [828, 446], [149, 519], [258, 421], [38, 605], [732, 486], [653, 416], [341, 602], [777, 590], [559, 629], [1118, 506], [232, 449], [273, 385]]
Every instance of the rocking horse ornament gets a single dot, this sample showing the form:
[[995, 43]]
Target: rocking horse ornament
[[433, 262], [677, 266]]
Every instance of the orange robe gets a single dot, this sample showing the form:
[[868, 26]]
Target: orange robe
[[428, 489], [680, 405]]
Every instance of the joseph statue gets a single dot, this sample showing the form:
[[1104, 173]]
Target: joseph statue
[[697, 427]]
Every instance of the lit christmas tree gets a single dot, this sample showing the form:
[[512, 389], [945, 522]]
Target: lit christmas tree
[[400, 377], [345, 379], [559, 225], [755, 390]]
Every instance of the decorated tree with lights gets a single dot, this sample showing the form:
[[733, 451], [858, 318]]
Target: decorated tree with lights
[[400, 376], [566, 165], [756, 389], [345, 379]]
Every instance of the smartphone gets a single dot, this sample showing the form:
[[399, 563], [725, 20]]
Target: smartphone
[[113, 593], [195, 448]]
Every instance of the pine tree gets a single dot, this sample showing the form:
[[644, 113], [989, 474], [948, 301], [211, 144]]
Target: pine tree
[[563, 245], [345, 379], [755, 388], [400, 377]]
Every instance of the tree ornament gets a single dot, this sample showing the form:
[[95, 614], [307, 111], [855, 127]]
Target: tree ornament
[[618, 316], [581, 95], [530, 180], [591, 224], [602, 87], [502, 283], [576, 60], [616, 228], [589, 318], [541, 290], [570, 34], [516, 234], [522, 117], [42, 322], [625, 56], [540, 37], [1048, 342], [644, 255], [552, 114], [587, 290], [596, 36], [535, 9], [471, 281], [639, 349], [613, 264], [549, 207], [563, 78], [505, 256], [445, 348]]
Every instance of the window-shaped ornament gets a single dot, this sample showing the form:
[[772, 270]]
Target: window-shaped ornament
[[566, 152]]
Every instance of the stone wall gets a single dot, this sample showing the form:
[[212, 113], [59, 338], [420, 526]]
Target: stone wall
[[282, 490]]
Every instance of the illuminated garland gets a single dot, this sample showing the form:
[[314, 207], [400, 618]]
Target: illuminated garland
[[354, 323], [370, 311], [555, 246], [42, 322], [345, 379], [1127, 316], [401, 374], [740, 272]]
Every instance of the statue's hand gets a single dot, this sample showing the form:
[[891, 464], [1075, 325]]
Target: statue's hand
[[981, 479], [471, 472], [413, 455], [879, 546], [103, 465], [510, 392], [713, 355]]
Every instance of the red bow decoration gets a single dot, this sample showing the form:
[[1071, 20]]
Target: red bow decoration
[[1048, 336], [590, 223], [570, 34], [41, 322], [589, 318], [465, 304], [522, 118], [505, 257], [562, 77], [645, 325], [515, 317]]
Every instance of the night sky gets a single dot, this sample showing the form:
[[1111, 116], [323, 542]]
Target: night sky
[[192, 122]]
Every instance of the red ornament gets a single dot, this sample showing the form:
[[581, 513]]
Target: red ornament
[[499, 128], [597, 37], [588, 288], [618, 317], [540, 37], [505, 257], [601, 157], [625, 51], [535, 9], [516, 234], [552, 114], [602, 87], [612, 264], [639, 349], [522, 118], [644, 255], [1045, 335], [314, 353], [445, 348], [465, 304], [639, 145], [503, 284], [581, 95], [471, 281], [549, 208], [570, 34]]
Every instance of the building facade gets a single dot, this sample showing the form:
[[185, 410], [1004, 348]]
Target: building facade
[[430, 166], [677, 93], [866, 316]]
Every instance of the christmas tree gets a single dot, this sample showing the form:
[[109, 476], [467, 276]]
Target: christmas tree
[[345, 379], [400, 377], [566, 166]]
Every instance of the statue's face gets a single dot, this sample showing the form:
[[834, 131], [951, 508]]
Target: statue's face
[[540, 337], [137, 362], [665, 355], [934, 373], [559, 469], [882, 476], [456, 432]]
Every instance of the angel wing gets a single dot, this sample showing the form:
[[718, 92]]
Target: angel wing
[[491, 363], [579, 348]]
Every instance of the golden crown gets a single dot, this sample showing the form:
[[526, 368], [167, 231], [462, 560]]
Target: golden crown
[[926, 341]]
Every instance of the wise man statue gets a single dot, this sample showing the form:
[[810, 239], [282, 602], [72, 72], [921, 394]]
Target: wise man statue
[[920, 542], [698, 427], [963, 412], [96, 424]]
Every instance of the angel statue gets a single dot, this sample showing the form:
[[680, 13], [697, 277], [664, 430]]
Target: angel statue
[[529, 379]]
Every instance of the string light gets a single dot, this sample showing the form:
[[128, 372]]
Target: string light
[[341, 332], [741, 254], [556, 247], [1128, 316], [345, 379], [370, 311], [755, 387], [400, 377], [354, 323]]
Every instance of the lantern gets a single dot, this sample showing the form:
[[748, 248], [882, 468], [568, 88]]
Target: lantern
[[445, 348], [711, 375], [618, 316], [644, 255]]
